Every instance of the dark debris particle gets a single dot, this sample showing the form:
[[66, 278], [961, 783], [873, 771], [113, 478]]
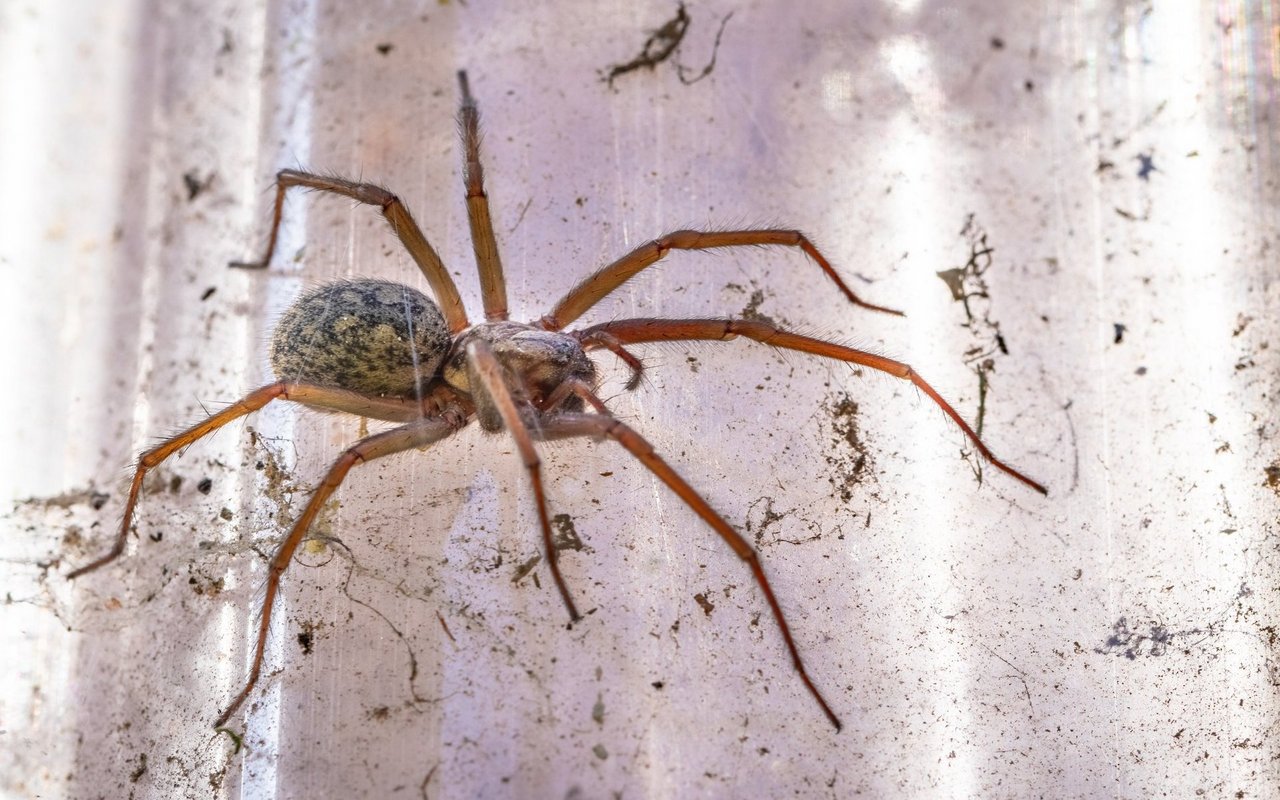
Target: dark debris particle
[[1130, 643], [1272, 472], [706, 605], [659, 685], [205, 485], [997, 43], [207, 293], [209, 587], [853, 465], [661, 43], [1120, 329], [384, 48], [196, 185], [137, 774], [97, 500], [1146, 165], [567, 537], [306, 639]]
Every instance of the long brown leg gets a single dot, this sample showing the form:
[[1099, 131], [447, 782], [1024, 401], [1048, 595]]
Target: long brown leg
[[600, 283], [489, 373], [402, 223], [562, 426], [632, 331], [493, 284], [416, 434], [315, 396]]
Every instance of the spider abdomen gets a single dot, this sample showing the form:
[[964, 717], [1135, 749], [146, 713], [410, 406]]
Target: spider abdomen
[[376, 338]]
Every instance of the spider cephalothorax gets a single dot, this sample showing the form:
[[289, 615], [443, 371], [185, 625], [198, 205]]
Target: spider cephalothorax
[[385, 351], [535, 363]]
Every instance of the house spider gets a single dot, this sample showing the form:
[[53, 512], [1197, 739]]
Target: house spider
[[385, 351]]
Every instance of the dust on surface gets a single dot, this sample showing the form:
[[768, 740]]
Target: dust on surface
[[848, 457], [1271, 478], [662, 45], [968, 286], [566, 534]]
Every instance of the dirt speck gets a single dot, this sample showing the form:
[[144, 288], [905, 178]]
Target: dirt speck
[[93, 498], [566, 535], [1272, 479], [848, 457], [663, 44], [140, 770], [707, 605], [202, 584], [307, 637]]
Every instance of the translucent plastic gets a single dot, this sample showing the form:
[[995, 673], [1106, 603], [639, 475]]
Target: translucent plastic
[[977, 639]]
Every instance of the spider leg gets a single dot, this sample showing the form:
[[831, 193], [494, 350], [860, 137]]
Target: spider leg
[[563, 426], [315, 396], [611, 343], [402, 223], [633, 331], [493, 285], [572, 387], [488, 373], [420, 433], [603, 281]]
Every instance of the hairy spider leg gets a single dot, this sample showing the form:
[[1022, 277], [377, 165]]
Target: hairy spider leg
[[634, 331], [489, 372], [603, 340], [569, 425], [493, 284], [317, 396], [420, 433], [402, 224], [598, 285]]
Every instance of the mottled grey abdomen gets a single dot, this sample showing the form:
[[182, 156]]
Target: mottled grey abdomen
[[372, 337]]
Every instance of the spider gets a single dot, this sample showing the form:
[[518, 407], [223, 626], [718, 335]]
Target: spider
[[384, 351]]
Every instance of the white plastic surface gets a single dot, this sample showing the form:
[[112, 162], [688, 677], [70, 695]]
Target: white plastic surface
[[1116, 638]]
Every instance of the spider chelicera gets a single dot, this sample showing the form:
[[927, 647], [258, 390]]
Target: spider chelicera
[[385, 351]]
